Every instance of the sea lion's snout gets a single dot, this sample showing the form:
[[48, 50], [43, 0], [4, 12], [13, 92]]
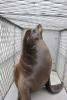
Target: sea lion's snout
[[37, 32], [39, 29]]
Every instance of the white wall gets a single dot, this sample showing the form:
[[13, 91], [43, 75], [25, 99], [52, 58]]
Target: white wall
[[51, 38]]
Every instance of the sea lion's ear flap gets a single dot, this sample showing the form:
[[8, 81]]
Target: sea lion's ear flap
[[39, 28]]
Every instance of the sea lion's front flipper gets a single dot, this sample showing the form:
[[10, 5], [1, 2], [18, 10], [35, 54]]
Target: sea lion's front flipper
[[54, 88]]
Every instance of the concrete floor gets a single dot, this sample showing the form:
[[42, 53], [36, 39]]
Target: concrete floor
[[42, 94]]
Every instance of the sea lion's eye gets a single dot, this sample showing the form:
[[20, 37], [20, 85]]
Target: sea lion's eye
[[33, 30], [33, 47]]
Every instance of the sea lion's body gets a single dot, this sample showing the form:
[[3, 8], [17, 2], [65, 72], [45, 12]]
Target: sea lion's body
[[42, 69], [33, 70]]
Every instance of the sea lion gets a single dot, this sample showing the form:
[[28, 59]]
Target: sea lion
[[34, 68]]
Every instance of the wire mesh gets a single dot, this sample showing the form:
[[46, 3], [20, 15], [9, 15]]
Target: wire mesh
[[62, 58], [10, 46], [51, 13], [10, 50]]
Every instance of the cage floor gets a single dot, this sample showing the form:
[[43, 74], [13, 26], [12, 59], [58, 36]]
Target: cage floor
[[42, 94]]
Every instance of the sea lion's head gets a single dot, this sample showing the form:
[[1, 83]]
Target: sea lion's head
[[37, 32], [34, 34], [31, 37]]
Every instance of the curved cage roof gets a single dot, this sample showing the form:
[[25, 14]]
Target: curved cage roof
[[52, 14]]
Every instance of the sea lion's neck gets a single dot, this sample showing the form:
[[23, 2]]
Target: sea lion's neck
[[29, 53], [28, 59]]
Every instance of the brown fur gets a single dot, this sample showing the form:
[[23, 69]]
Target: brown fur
[[33, 70]]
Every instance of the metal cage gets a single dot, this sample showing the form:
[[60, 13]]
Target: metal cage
[[11, 37], [10, 50]]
